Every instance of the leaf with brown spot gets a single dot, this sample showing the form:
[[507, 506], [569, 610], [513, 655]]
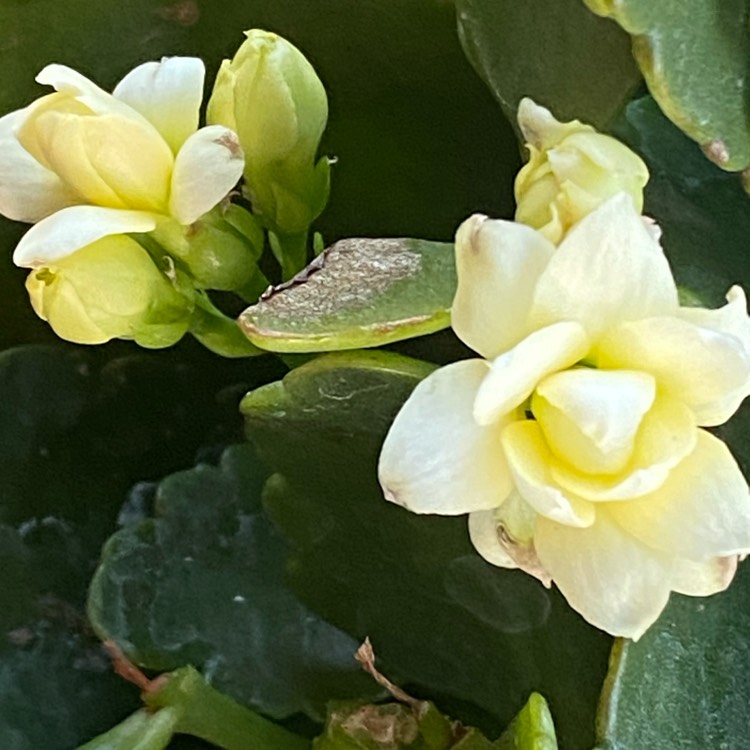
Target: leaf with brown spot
[[358, 293]]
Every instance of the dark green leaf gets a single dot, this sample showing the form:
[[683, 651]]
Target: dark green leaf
[[359, 293], [438, 615], [201, 584], [554, 51], [684, 684], [694, 55]]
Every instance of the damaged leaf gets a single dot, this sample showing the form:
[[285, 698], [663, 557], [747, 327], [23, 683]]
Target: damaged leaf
[[358, 293]]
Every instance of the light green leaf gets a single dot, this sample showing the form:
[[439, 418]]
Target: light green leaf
[[358, 293], [554, 51], [532, 729], [694, 56]]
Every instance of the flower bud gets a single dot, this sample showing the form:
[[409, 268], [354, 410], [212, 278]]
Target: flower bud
[[219, 251], [109, 289], [271, 96], [571, 171]]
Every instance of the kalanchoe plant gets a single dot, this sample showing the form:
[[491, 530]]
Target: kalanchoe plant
[[582, 448]]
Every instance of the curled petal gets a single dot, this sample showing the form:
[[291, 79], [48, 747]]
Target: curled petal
[[515, 374], [71, 228], [168, 94], [504, 536], [484, 536], [207, 167], [528, 459], [701, 511], [541, 129], [615, 581], [436, 458], [498, 263], [667, 434], [71, 82], [607, 270]]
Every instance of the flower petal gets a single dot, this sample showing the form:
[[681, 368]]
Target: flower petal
[[514, 375], [706, 368], [701, 511], [168, 94], [590, 417], [608, 269], [667, 434], [71, 82], [28, 190], [71, 228], [109, 160], [703, 578], [528, 459], [498, 263], [436, 458], [207, 167], [617, 583]]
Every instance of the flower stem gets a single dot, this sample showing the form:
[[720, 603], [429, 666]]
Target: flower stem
[[216, 718]]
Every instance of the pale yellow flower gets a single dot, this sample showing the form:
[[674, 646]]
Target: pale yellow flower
[[109, 289], [86, 164], [572, 169], [575, 443]]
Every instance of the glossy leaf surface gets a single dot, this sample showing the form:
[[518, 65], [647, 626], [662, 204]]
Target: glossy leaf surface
[[694, 56], [554, 51], [77, 429]]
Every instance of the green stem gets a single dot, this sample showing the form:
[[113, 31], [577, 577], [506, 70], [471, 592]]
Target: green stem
[[219, 333], [216, 718], [142, 730]]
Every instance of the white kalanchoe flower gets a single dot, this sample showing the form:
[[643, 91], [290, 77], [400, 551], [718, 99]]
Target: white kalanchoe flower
[[575, 443], [86, 164]]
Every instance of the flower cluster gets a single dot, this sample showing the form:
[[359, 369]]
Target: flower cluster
[[575, 442], [128, 196], [91, 167]]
